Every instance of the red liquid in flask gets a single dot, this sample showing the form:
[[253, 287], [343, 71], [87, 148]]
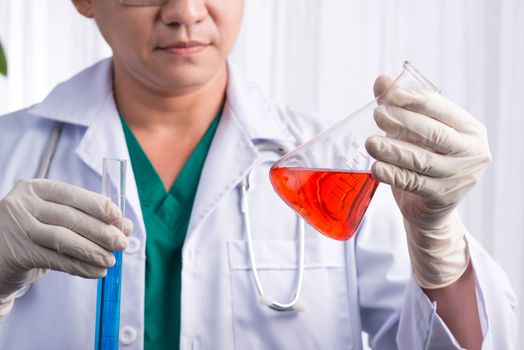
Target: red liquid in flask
[[332, 201]]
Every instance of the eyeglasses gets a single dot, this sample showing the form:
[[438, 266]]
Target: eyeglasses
[[143, 2]]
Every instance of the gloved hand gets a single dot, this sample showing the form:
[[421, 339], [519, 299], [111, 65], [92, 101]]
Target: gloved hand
[[432, 154], [52, 225]]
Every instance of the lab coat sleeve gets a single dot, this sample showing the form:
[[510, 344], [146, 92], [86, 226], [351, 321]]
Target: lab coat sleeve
[[396, 313]]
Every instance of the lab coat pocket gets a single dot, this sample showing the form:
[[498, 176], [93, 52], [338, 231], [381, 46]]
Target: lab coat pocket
[[326, 321]]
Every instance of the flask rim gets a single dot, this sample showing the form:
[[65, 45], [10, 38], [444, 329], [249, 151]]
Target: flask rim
[[416, 73]]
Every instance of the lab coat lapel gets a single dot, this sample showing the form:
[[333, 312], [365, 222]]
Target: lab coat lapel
[[229, 159], [87, 100], [245, 118], [104, 138]]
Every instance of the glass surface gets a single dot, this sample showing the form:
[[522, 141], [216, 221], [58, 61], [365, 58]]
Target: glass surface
[[108, 294]]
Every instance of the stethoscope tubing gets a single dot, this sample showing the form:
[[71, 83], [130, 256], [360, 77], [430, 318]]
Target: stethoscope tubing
[[294, 305]]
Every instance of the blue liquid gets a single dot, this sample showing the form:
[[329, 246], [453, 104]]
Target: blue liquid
[[108, 307]]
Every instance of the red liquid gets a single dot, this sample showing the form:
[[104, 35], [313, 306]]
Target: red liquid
[[333, 202]]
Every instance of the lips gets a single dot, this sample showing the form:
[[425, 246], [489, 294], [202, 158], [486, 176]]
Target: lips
[[183, 48]]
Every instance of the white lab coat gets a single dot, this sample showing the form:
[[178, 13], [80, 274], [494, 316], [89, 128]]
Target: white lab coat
[[361, 284]]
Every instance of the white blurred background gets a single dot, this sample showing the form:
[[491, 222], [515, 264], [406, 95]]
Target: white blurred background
[[324, 55]]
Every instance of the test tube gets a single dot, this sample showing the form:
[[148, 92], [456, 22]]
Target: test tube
[[108, 294]]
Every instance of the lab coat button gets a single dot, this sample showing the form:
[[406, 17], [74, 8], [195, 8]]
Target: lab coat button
[[133, 245], [127, 335]]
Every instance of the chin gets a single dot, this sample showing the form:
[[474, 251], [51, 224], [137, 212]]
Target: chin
[[186, 77], [182, 81]]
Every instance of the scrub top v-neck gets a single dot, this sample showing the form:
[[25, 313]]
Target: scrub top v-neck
[[166, 218]]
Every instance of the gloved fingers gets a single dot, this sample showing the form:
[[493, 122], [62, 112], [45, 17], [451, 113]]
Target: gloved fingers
[[406, 180], [92, 203], [96, 231], [49, 259], [125, 225], [67, 243], [382, 84], [412, 157], [434, 105], [418, 129]]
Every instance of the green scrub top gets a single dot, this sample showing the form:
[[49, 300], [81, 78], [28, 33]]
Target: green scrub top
[[166, 218]]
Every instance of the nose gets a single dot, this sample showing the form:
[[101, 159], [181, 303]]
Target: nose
[[183, 12]]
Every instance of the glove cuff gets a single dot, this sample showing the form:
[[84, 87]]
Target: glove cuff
[[6, 304], [439, 256]]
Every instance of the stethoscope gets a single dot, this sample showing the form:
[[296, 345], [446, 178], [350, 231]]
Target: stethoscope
[[263, 146], [280, 148]]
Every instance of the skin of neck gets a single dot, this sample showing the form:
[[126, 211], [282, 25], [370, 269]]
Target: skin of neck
[[179, 111]]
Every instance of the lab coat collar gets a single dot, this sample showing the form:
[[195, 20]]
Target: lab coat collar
[[80, 99], [257, 116]]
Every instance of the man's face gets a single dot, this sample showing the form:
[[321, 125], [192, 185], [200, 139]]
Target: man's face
[[177, 46]]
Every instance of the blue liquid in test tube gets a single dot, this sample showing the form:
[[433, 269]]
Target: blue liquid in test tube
[[108, 294]]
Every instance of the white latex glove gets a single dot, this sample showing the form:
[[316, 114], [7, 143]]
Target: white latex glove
[[433, 153], [52, 225]]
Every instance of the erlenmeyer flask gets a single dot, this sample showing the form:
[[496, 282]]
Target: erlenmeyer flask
[[327, 180]]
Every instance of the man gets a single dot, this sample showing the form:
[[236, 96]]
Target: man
[[169, 101]]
